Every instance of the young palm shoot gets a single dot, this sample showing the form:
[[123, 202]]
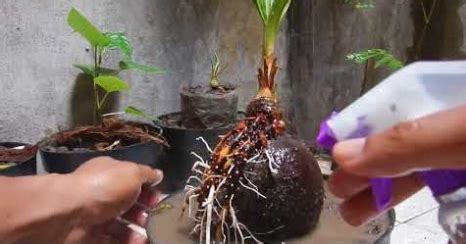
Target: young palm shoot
[[215, 64], [272, 13], [258, 183]]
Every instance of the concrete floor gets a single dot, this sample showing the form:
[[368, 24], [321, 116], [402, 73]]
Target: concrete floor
[[417, 221]]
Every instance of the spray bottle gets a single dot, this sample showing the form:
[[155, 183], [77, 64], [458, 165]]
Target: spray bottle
[[415, 91]]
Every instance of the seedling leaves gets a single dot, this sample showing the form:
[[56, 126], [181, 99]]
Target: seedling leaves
[[111, 83], [85, 28], [134, 111], [118, 40]]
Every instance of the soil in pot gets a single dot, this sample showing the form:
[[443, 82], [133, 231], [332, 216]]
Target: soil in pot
[[17, 159], [137, 142], [178, 159], [206, 107]]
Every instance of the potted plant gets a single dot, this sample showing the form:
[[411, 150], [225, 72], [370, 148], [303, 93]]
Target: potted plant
[[125, 140], [17, 159], [207, 111]]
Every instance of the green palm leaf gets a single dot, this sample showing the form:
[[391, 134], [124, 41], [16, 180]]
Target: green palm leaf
[[381, 58], [272, 13]]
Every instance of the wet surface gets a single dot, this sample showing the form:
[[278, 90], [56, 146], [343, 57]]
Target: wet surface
[[169, 227]]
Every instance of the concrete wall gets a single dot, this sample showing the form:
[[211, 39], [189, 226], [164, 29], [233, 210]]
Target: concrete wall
[[41, 92]]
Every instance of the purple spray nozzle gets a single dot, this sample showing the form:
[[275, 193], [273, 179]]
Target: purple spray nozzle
[[381, 187]]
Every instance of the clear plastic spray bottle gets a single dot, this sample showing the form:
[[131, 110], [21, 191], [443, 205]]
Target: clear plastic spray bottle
[[415, 91]]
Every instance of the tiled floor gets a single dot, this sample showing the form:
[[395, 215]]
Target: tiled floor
[[417, 221]]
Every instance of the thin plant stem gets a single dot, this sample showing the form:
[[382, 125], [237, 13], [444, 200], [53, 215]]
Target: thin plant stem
[[96, 92], [427, 20], [101, 103]]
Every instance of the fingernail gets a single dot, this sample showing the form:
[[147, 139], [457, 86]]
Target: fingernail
[[159, 174], [347, 150]]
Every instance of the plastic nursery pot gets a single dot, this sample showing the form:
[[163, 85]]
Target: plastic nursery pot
[[66, 151], [24, 168], [177, 160], [146, 153], [203, 107]]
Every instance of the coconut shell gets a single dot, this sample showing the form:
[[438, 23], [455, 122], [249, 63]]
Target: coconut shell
[[294, 194]]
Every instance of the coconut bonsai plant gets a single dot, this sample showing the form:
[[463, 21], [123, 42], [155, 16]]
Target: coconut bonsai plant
[[259, 183], [207, 111], [17, 159], [125, 140]]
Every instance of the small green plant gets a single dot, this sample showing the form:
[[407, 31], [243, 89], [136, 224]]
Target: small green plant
[[381, 58], [105, 80], [360, 4], [215, 64]]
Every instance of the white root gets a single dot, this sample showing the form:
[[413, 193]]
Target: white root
[[252, 189], [250, 182], [205, 143], [202, 229], [190, 205], [198, 157], [212, 176], [235, 222], [224, 214], [209, 213], [272, 163], [193, 177], [199, 163], [253, 159]]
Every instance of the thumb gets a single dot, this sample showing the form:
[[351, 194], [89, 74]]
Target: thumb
[[437, 141], [149, 175]]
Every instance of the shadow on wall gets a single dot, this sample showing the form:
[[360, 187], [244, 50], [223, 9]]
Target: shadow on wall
[[82, 101]]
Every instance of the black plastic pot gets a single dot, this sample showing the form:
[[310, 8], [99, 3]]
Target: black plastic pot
[[27, 167], [178, 160], [146, 153]]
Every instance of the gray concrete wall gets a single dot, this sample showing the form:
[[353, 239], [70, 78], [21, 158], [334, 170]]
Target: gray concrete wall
[[41, 92]]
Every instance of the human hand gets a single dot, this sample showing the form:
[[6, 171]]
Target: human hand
[[433, 142], [109, 189]]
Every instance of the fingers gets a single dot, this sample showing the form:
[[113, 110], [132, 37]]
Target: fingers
[[149, 196], [149, 175], [360, 208], [344, 185], [437, 141], [125, 233]]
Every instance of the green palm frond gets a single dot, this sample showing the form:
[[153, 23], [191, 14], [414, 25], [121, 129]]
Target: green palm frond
[[272, 13], [381, 58]]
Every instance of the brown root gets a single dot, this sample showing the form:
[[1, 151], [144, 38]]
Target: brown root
[[109, 135], [9, 155]]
